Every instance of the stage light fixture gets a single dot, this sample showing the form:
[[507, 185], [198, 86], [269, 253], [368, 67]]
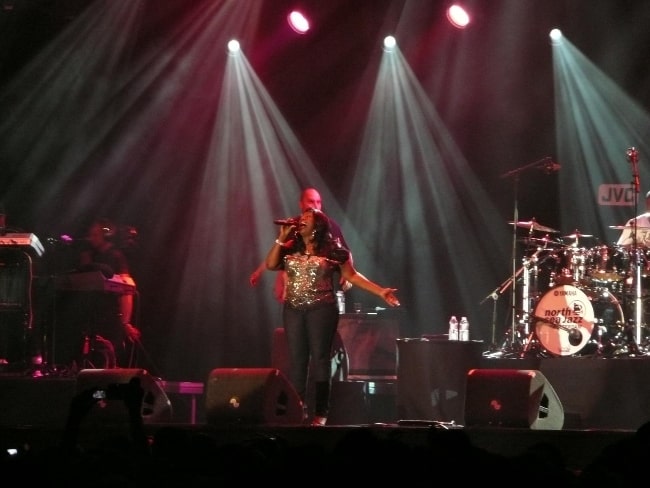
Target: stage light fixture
[[556, 36], [298, 21], [389, 43], [233, 47], [458, 16]]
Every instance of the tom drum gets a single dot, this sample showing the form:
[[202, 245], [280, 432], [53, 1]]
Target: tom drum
[[608, 265], [571, 266]]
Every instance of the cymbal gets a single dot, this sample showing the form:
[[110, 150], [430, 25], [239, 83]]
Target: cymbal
[[532, 224], [623, 227]]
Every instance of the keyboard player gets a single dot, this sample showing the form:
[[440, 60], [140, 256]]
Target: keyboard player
[[110, 313]]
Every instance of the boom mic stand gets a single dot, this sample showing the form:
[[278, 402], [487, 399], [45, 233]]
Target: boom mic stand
[[494, 295], [548, 166]]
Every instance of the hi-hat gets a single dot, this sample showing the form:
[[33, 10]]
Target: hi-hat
[[532, 224], [540, 241]]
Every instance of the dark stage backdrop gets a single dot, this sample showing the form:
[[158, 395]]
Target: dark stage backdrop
[[117, 115]]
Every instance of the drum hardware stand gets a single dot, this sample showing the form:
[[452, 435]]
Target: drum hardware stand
[[521, 335], [494, 295], [528, 294], [599, 341], [530, 337], [532, 344]]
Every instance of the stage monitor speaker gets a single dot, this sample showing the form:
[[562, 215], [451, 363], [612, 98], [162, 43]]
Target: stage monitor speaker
[[512, 398], [251, 396], [156, 407]]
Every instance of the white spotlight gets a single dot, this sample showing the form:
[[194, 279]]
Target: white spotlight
[[389, 43], [298, 22], [556, 36], [458, 16], [233, 47]]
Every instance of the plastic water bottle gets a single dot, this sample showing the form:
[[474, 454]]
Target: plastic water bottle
[[463, 331], [340, 301], [453, 328]]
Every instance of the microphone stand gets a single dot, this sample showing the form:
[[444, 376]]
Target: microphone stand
[[633, 157], [541, 163], [494, 295]]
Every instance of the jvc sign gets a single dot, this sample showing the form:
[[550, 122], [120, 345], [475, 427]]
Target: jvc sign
[[616, 195]]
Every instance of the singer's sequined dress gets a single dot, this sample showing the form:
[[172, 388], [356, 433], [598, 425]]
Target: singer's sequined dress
[[309, 280]]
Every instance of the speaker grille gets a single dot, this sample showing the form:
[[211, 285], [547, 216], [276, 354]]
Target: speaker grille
[[156, 406]]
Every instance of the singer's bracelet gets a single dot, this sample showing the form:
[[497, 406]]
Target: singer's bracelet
[[281, 244]]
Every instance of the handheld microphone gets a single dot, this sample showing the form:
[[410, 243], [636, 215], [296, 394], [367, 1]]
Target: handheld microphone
[[632, 154], [289, 221], [633, 157]]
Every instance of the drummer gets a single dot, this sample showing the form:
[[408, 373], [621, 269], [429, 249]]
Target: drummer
[[642, 227]]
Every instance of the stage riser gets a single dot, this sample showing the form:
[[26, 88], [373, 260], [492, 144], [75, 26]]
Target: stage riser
[[607, 394], [595, 393]]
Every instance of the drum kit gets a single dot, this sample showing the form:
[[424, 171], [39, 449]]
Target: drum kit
[[579, 300]]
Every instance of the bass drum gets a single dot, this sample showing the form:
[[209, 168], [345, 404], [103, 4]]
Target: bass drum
[[566, 318], [609, 325]]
